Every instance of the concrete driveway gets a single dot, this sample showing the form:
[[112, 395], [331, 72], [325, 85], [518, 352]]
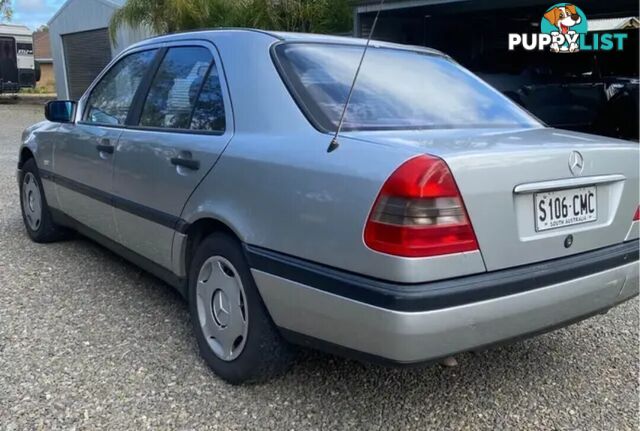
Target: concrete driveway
[[89, 341]]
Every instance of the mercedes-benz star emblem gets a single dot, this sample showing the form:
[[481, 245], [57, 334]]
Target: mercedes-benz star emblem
[[220, 308], [576, 163]]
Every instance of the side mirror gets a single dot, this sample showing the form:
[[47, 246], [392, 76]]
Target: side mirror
[[60, 111]]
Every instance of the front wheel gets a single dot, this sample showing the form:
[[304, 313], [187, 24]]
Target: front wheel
[[235, 334]]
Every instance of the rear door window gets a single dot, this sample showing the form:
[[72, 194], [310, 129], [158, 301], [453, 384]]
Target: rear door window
[[209, 114], [111, 99], [176, 88]]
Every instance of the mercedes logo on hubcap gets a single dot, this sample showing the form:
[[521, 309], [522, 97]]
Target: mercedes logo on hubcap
[[220, 305], [576, 163]]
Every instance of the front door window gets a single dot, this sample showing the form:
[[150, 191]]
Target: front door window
[[111, 99]]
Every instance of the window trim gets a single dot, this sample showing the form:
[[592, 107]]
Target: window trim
[[292, 89], [142, 92], [222, 76], [133, 123], [175, 130], [320, 121], [310, 113], [224, 86], [207, 75], [84, 100]]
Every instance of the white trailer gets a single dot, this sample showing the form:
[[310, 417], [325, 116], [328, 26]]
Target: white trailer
[[18, 68]]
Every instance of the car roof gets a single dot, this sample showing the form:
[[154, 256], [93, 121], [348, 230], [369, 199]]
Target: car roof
[[287, 37]]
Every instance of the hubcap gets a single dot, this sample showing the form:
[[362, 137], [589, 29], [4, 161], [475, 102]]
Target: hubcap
[[31, 201], [222, 310]]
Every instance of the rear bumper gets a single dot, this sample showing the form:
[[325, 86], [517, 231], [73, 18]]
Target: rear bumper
[[382, 321]]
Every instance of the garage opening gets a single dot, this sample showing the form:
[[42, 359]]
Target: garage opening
[[591, 91], [86, 54]]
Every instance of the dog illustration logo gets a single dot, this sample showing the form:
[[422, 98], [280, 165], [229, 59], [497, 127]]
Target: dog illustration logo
[[564, 29], [565, 22]]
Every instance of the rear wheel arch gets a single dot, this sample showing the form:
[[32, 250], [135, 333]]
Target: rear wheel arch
[[201, 229]]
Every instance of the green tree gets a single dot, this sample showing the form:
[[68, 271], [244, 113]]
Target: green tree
[[6, 11], [167, 16]]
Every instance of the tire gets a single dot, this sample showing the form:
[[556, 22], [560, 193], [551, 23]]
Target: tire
[[235, 334], [35, 212]]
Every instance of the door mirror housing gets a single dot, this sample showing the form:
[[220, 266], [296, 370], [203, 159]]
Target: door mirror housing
[[60, 111]]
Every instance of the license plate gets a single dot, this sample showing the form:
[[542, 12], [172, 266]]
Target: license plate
[[562, 208]]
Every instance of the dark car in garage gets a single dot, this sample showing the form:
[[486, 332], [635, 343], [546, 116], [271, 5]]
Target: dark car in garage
[[595, 92], [590, 91]]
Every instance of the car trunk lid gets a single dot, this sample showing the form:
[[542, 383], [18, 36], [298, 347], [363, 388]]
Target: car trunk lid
[[509, 178]]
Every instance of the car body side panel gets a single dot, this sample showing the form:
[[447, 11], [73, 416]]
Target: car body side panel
[[77, 159], [277, 187], [144, 237], [313, 204], [40, 140], [145, 174]]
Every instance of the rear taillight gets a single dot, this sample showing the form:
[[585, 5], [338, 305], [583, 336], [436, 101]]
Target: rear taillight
[[636, 216], [419, 212]]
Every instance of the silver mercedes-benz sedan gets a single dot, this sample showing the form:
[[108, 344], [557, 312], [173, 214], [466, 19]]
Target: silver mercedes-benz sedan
[[442, 219]]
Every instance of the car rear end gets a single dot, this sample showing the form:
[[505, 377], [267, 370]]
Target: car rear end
[[552, 216]]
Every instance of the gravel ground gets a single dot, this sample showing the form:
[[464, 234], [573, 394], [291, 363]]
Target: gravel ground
[[88, 341]]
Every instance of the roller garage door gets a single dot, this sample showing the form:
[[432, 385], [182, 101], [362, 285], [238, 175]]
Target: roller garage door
[[85, 55]]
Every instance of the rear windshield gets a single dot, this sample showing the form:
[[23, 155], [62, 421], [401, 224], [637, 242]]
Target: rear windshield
[[396, 89]]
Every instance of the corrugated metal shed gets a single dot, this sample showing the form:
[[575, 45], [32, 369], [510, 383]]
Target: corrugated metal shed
[[76, 16]]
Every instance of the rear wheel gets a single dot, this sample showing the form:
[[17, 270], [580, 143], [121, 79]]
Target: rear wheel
[[235, 334], [35, 211]]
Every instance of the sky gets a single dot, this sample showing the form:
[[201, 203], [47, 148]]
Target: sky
[[34, 13]]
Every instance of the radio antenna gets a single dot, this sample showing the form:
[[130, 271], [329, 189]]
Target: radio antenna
[[334, 144]]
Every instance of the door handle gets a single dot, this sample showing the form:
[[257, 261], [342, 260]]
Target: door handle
[[105, 146], [194, 165]]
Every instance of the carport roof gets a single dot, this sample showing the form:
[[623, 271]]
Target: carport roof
[[609, 8], [374, 5]]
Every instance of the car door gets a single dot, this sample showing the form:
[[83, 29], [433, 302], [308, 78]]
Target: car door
[[179, 132], [83, 153]]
